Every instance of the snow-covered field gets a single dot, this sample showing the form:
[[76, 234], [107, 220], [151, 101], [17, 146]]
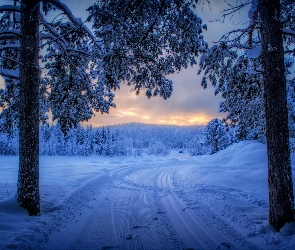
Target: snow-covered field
[[175, 202]]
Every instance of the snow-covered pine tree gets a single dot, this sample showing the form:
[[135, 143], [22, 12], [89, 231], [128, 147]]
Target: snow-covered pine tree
[[146, 40], [230, 74], [108, 142], [198, 146], [88, 141], [21, 34], [273, 24], [96, 141], [102, 141], [215, 136], [119, 146], [141, 42], [71, 143]]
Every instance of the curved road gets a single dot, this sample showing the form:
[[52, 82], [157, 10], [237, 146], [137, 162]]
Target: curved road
[[140, 206]]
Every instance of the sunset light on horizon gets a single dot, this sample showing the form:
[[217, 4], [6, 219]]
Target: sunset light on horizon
[[189, 104]]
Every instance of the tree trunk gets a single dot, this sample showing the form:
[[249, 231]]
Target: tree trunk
[[28, 176], [281, 199]]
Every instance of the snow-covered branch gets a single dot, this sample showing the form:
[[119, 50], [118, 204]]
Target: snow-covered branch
[[9, 46], [12, 34], [54, 36], [290, 51], [46, 36], [225, 36], [9, 8], [289, 32], [53, 32], [78, 51], [73, 19], [9, 73], [232, 10]]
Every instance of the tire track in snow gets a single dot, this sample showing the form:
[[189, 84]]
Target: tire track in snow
[[191, 228], [120, 214], [236, 215]]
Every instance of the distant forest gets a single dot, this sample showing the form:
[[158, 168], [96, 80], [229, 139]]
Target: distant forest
[[131, 139]]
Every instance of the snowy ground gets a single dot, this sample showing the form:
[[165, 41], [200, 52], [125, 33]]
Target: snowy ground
[[173, 202]]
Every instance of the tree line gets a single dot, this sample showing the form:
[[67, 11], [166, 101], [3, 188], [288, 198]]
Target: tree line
[[118, 140]]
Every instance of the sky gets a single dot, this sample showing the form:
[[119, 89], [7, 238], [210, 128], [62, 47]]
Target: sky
[[189, 104]]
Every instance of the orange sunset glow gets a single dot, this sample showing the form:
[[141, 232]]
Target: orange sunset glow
[[189, 104]]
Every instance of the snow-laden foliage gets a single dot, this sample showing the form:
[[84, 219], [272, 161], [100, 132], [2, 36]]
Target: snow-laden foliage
[[75, 80], [233, 67], [242, 91], [146, 40], [138, 42], [8, 60], [216, 137], [68, 87], [197, 145], [118, 140], [158, 148]]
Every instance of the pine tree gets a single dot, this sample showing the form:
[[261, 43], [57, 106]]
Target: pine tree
[[28, 177], [262, 73], [88, 141], [281, 197], [81, 72], [215, 136], [242, 91], [102, 142]]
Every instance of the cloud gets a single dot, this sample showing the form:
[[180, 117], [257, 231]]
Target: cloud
[[189, 104]]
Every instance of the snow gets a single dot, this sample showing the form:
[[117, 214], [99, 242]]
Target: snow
[[9, 73], [252, 9], [9, 8], [254, 52], [149, 202], [288, 31]]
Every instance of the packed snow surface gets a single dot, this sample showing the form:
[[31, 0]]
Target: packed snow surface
[[215, 201]]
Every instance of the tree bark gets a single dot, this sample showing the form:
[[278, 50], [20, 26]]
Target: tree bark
[[281, 198], [28, 176]]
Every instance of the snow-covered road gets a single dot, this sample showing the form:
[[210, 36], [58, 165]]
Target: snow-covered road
[[122, 209], [132, 207], [174, 202]]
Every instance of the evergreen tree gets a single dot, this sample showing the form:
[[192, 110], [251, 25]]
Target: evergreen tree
[[96, 148], [102, 141], [108, 142], [266, 40], [88, 141], [281, 197], [215, 136], [241, 90], [71, 143], [198, 145], [81, 72]]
